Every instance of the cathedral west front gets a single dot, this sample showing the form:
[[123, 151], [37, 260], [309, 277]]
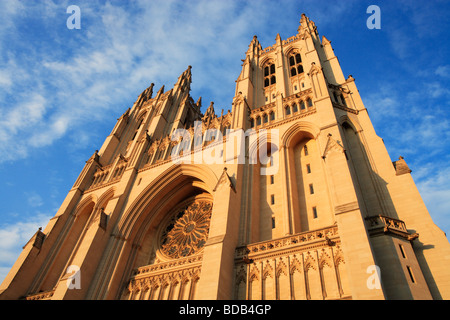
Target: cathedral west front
[[291, 195]]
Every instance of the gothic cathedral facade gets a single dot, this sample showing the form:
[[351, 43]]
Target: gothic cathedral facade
[[290, 195]]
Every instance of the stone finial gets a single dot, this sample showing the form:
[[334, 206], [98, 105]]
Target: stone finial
[[401, 167]]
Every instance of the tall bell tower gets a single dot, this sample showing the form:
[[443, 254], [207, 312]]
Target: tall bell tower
[[291, 195]]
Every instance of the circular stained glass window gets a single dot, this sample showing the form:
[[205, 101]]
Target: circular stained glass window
[[187, 231]]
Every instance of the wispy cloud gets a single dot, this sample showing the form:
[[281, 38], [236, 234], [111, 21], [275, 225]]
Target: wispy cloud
[[432, 182], [443, 71], [14, 236], [34, 199], [118, 52]]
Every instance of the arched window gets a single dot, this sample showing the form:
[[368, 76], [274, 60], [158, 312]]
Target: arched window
[[265, 118], [294, 108], [258, 121], [291, 61], [309, 102], [302, 105], [293, 72], [269, 74], [272, 116], [295, 63], [288, 110]]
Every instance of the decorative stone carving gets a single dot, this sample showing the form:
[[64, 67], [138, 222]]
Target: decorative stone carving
[[332, 145], [401, 167], [225, 179], [187, 232]]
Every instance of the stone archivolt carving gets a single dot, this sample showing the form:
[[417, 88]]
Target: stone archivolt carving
[[176, 267]]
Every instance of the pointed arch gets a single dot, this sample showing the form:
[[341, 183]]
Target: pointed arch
[[177, 176], [266, 60], [82, 205], [292, 50], [295, 266], [254, 274], [268, 271], [105, 197], [289, 137], [352, 121], [281, 268], [268, 137]]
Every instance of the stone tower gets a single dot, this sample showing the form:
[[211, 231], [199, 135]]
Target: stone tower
[[291, 195]]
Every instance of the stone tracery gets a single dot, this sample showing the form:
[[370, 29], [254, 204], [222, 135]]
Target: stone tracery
[[187, 232]]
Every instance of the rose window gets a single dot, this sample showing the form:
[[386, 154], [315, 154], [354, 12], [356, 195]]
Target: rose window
[[188, 230]]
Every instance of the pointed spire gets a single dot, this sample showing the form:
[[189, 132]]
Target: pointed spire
[[307, 25], [185, 79], [209, 115], [186, 74], [210, 110], [145, 95], [161, 90], [148, 92], [254, 44], [278, 38]]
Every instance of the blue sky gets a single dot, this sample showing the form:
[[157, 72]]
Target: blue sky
[[62, 90]]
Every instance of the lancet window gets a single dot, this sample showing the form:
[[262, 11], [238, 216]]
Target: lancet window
[[269, 74], [295, 64]]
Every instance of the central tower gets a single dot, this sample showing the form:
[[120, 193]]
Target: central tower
[[291, 195]]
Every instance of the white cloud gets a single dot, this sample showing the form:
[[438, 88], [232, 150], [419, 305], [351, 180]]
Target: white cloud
[[14, 236], [437, 90], [17, 123], [34, 199], [433, 182], [443, 71], [54, 129], [400, 42], [118, 52], [382, 103], [5, 78], [427, 132]]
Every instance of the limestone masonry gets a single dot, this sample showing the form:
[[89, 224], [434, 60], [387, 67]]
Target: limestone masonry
[[290, 195]]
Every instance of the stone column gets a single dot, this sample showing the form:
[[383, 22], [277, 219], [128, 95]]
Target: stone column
[[357, 250], [218, 257]]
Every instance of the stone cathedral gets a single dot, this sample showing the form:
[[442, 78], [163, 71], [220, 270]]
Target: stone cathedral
[[290, 195]]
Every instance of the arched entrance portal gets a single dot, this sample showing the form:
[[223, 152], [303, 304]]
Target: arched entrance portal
[[168, 259], [158, 248]]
